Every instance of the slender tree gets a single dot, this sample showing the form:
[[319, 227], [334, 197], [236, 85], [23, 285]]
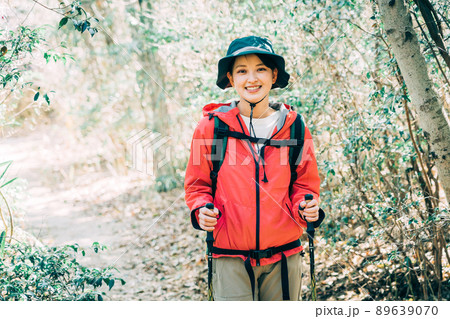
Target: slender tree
[[429, 107]]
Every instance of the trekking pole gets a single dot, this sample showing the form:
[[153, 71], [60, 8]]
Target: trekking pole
[[209, 245], [310, 231]]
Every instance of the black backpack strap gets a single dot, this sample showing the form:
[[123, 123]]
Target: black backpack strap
[[218, 150], [252, 139], [240, 136], [295, 153]]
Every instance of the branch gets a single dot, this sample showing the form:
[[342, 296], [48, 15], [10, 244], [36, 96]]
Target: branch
[[408, 120], [51, 9], [431, 48], [429, 6], [433, 26]]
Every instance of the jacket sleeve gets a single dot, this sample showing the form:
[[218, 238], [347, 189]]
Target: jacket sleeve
[[197, 182], [308, 181]]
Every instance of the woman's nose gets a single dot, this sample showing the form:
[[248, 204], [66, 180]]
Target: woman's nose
[[252, 76]]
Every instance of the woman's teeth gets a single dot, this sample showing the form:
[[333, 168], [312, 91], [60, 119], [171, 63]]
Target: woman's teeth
[[253, 88]]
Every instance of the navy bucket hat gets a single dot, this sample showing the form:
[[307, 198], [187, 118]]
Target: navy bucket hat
[[251, 45]]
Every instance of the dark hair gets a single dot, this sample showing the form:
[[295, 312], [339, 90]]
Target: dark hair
[[267, 60]]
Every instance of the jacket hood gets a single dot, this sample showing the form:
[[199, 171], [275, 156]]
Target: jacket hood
[[228, 113]]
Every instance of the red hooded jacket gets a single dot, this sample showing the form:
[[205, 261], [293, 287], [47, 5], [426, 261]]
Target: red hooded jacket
[[255, 215]]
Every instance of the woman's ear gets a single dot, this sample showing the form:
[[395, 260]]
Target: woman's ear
[[274, 75], [230, 78]]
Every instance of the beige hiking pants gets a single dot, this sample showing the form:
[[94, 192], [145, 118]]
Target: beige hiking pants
[[230, 280]]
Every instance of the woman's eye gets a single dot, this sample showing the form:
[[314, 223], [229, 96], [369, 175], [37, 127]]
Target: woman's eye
[[262, 69], [240, 71]]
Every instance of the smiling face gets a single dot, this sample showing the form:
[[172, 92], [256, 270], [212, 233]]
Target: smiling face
[[251, 78]]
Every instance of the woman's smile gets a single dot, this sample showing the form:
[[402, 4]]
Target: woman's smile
[[253, 88]]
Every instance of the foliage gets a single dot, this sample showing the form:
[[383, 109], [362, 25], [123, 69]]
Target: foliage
[[79, 17], [3, 184], [18, 48], [51, 273], [384, 208]]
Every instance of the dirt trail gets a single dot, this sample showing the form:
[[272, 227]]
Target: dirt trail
[[148, 236]]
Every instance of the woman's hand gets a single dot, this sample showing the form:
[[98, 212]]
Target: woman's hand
[[207, 218], [310, 213]]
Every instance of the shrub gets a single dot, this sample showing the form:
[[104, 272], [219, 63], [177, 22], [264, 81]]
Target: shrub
[[50, 273]]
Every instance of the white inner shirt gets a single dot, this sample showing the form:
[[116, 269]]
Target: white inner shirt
[[263, 127]]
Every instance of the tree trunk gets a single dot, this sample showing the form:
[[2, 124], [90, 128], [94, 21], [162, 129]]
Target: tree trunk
[[160, 147], [432, 117]]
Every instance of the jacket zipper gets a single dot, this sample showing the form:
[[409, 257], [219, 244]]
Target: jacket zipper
[[257, 208], [257, 191], [258, 204], [258, 200]]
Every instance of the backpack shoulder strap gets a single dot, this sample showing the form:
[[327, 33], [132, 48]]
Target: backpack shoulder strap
[[295, 153], [218, 150]]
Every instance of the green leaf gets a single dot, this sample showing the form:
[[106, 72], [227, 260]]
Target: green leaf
[[36, 96], [111, 284], [92, 31], [98, 282], [10, 181], [85, 26], [47, 99], [9, 164], [2, 243], [63, 22], [76, 24]]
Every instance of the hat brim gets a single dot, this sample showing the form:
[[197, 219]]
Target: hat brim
[[282, 79]]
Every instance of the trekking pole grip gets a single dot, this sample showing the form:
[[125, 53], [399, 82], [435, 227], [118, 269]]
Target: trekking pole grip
[[309, 225], [209, 236]]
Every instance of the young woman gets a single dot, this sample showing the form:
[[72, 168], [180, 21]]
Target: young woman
[[259, 209]]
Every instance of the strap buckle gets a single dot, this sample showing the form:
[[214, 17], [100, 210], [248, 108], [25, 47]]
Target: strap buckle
[[259, 254]]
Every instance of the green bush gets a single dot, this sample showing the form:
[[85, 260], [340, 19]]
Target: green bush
[[50, 273]]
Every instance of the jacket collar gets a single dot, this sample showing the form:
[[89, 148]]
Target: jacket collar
[[229, 113]]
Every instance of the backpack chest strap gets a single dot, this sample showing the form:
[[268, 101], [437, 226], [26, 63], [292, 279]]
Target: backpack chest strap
[[222, 132]]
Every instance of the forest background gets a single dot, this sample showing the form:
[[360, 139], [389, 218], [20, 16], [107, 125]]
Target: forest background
[[91, 88]]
